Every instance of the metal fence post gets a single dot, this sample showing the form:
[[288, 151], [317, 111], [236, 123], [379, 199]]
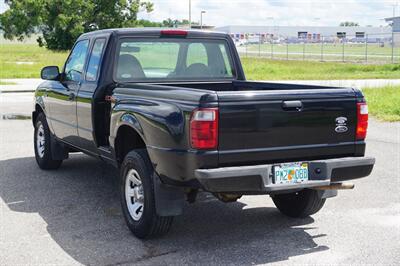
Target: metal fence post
[[343, 50], [392, 45], [259, 45], [272, 49], [304, 50], [366, 48], [322, 49], [287, 49]]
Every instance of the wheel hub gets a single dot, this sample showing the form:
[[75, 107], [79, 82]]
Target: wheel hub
[[134, 194], [40, 140]]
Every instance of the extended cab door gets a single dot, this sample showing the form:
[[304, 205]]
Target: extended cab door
[[62, 99], [85, 102]]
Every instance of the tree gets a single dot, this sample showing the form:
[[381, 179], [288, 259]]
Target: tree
[[147, 23], [349, 24], [175, 23], [60, 22]]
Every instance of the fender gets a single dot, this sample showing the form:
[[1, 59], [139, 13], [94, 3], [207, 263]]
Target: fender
[[127, 119], [58, 149], [38, 101], [169, 200]]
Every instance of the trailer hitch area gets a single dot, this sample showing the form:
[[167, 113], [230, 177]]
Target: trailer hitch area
[[336, 186], [225, 197], [331, 190]]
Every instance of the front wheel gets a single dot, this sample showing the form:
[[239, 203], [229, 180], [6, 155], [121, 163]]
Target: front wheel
[[299, 204], [138, 198], [42, 144]]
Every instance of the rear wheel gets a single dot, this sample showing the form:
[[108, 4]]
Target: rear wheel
[[138, 198], [42, 144], [299, 204]]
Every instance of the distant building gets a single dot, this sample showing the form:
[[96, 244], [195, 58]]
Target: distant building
[[395, 23], [204, 27], [309, 33]]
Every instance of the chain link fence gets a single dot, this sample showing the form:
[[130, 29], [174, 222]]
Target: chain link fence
[[374, 49]]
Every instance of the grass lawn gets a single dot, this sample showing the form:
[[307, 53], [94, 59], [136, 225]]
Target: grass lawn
[[264, 69], [6, 83], [383, 103], [26, 61]]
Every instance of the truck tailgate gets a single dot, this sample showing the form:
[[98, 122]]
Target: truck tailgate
[[286, 125]]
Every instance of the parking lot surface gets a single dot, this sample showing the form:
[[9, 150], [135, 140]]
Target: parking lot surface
[[72, 216]]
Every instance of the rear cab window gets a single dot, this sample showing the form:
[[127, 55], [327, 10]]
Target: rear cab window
[[197, 54], [172, 59]]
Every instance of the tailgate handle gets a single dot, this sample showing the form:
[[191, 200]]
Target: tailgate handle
[[292, 105]]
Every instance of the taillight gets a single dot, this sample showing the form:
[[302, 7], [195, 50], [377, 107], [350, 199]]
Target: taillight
[[204, 129], [362, 121]]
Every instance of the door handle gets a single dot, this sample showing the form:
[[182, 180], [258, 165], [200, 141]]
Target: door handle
[[288, 105], [71, 96]]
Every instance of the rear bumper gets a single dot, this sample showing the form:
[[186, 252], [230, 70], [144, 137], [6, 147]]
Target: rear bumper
[[259, 178]]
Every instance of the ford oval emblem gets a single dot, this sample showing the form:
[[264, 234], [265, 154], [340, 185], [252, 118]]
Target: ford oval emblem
[[341, 129], [341, 120]]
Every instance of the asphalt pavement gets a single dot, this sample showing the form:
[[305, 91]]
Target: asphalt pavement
[[72, 216]]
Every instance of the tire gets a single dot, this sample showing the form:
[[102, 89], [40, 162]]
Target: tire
[[299, 204], [42, 145], [138, 197]]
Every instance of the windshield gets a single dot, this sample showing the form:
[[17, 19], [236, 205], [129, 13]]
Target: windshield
[[172, 59]]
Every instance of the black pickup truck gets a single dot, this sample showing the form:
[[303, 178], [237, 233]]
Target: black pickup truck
[[172, 110]]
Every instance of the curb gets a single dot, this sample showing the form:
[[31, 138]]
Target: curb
[[16, 91]]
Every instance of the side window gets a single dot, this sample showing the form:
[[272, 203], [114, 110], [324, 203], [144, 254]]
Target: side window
[[197, 54], [76, 61], [94, 60]]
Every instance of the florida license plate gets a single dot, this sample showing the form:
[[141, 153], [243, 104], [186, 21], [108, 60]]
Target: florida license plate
[[290, 173]]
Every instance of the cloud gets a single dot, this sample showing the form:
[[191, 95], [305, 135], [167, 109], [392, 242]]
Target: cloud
[[284, 12]]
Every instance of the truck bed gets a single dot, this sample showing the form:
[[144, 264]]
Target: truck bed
[[258, 124]]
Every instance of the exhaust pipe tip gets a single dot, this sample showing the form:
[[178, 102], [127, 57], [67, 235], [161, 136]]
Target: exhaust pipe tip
[[336, 186]]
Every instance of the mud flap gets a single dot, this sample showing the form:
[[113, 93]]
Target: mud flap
[[58, 150], [169, 200]]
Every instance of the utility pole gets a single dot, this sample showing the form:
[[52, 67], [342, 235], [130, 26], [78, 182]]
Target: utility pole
[[201, 18], [190, 14]]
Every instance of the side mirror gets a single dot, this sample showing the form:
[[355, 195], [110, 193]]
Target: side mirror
[[50, 73]]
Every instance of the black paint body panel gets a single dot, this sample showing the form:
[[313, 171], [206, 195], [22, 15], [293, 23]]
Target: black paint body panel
[[256, 123]]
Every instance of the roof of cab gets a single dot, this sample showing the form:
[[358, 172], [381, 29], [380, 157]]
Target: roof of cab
[[152, 32]]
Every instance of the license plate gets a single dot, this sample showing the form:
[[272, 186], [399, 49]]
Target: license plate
[[290, 173]]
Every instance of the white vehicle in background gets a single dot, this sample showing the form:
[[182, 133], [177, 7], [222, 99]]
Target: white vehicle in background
[[253, 39], [240, 42]]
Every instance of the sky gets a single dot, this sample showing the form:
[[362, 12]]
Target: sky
[[273, 12], [276, 12]]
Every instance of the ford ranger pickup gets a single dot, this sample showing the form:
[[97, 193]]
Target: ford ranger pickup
[[173, 112]]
